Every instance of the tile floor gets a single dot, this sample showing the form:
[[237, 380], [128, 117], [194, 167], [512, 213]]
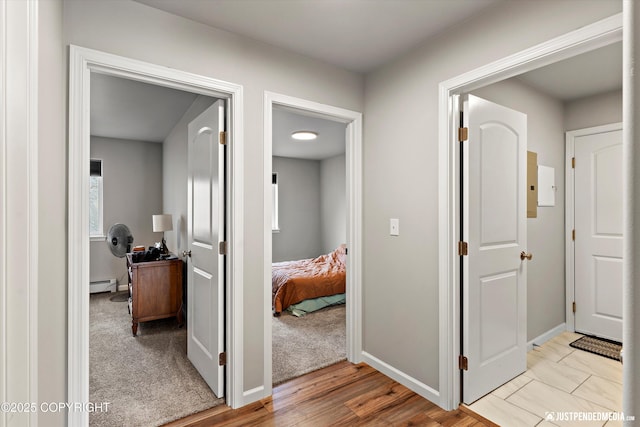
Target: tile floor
[[559, 378]]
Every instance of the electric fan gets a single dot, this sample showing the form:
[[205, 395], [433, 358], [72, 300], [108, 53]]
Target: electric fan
[[119, 239]]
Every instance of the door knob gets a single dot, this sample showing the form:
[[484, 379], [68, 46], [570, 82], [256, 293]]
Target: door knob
[[524, 255], [186, 253]]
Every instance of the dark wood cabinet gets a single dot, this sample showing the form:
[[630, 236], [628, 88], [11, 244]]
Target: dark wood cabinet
[[155, 290]]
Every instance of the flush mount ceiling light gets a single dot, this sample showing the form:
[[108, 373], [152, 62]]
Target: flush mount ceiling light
[[304, 135]]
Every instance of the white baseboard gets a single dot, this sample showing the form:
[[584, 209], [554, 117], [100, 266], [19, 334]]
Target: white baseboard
[[102, 286], [252, 395], [543, 338], [404, 379], [123, 287]]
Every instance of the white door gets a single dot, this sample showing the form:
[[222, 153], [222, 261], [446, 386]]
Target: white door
[[598, 225], [494, 283], [205, 230]]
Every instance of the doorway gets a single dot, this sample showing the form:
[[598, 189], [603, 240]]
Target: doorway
[[308, 243], [137, 133], [550, 113], [145, 136], [353, 159], [84, 62], [603, 33]]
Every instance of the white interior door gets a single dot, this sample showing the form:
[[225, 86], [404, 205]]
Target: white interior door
[[205, 230], [494, 285], [598, 241]]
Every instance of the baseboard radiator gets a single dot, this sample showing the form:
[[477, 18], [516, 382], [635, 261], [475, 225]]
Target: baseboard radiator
[[108, 285]]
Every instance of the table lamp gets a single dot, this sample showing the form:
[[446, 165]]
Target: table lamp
[[162, 223]]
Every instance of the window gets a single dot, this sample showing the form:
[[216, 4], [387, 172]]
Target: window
[[274, 202], [96, 229]]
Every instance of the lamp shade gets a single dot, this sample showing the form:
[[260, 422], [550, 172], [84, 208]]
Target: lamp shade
[[162, 223]]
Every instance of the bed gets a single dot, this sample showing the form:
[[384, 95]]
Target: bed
[[295, 281]]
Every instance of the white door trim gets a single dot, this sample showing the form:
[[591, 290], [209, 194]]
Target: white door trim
[[569, 215], [353, 120], [19, 214], [582, 40], [82, 62]]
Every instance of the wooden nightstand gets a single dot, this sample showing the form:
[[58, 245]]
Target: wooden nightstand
[[155, 290]]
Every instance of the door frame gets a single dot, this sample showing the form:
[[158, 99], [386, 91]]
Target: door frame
[[569, 214], [353, 120], [584, 39], [82, 62], [21, 97]]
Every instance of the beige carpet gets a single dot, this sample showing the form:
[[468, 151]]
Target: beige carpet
[[305, 344], [147, 379]]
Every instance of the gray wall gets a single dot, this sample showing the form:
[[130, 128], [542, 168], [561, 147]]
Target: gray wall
[[545, 136], [131, 29], [174, 177], [132, 194], [312, 207], [401, 179], [299, 215], [592, 111], [333, 200]]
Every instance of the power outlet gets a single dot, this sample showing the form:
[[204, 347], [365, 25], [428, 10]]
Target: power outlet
[[394, 227]]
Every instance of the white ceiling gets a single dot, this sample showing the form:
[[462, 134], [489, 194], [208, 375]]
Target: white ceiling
[[358, 35], [127, 109], [584, 75], [330, 141]]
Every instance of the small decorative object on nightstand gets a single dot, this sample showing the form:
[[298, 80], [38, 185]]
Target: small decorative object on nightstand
[[155, 290]]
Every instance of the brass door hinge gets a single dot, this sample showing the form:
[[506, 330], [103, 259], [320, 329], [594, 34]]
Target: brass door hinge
[[223, 138], [463, 248], [222, 359], [463, 134], [573, 234], [573, 162], [222, 248], [463, 363], [573, 306]]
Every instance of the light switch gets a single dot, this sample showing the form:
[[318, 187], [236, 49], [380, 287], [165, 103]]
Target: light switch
[[394, 226]]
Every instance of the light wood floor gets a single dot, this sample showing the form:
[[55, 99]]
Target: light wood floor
[[559, 378], [340, 395]]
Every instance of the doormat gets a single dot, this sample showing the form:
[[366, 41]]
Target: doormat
[[600, 346]]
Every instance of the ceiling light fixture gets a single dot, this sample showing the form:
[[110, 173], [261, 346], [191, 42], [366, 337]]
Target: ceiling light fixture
[[304, 135]]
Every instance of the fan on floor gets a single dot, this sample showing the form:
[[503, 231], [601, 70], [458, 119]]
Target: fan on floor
[[119, 239]]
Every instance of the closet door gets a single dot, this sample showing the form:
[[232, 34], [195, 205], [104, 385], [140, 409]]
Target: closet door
[[598, 233]]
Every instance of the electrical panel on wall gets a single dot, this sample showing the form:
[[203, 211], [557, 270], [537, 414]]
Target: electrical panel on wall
[[546, 186]]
